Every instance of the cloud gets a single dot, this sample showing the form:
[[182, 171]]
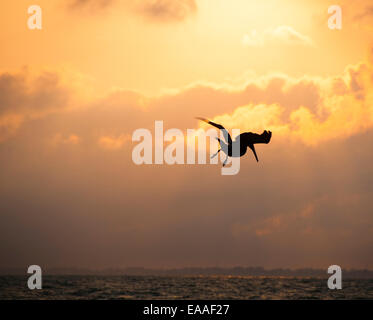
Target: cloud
[[310, 110], [311, 204], [280, 223], [59, 139], [168, 10], [307, 109], [281, 35], [253, 39], [113, 143], [90, 4], [308, 198], [366, 13], [152, 10], [23, 97]]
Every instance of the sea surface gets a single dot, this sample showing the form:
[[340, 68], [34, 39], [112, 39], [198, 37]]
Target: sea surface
[[182, 287]]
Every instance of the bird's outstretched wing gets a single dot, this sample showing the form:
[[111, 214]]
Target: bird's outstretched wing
[[226, 134], [252, 138]]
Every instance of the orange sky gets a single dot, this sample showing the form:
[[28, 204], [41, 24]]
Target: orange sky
[[72, 93], [120, 46]]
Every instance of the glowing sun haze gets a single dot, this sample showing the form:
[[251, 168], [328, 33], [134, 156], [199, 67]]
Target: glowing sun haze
[[72, 94]]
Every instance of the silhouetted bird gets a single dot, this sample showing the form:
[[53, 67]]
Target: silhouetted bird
[[244, 140]]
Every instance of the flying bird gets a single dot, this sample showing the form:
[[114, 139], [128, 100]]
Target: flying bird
[[238, 147]]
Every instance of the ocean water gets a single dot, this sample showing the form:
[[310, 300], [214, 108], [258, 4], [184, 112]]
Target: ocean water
[[182, 287]]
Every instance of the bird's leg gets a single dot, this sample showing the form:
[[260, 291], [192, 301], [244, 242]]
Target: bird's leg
[[225, 161], [215, 154]]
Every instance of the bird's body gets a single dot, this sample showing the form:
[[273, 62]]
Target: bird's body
[[238, 146]]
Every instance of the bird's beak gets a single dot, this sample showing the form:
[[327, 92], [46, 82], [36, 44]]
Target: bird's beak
[[253, 149]]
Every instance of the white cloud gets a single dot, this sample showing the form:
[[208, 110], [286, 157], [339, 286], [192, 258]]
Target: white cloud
[[275, 36]]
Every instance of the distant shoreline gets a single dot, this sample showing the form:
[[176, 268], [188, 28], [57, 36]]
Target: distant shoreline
[[195, 271]]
